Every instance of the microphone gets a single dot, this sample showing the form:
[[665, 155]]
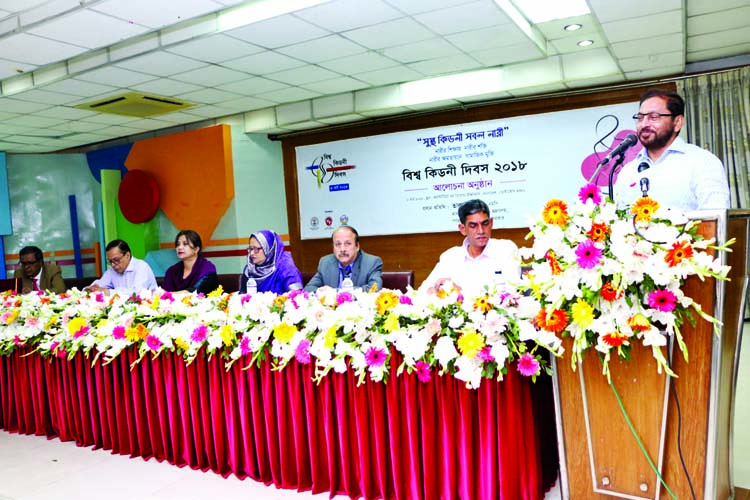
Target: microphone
[[630, 140], [643, 166], [644, 186]]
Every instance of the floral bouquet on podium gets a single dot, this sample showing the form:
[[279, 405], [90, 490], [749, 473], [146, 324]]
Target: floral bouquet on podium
[[610, 277]]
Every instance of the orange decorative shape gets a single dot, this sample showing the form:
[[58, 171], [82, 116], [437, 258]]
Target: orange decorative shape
[[194, 173]]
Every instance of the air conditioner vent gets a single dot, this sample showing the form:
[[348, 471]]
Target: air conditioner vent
[[136, 104]]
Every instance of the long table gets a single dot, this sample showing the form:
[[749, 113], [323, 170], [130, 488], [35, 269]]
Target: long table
[[401, 440]]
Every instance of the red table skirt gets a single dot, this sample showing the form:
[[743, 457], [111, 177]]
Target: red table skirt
[[402, 440]]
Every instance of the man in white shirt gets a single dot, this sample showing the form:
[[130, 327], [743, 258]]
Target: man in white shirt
[[481, 262], [671, 171], [127, 274]]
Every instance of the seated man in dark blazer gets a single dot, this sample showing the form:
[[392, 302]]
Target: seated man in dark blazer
[[36, 274], [347, 261]]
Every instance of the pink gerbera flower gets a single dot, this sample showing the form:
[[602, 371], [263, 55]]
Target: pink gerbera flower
[[344, 297], [302, 353], [167, 296], [118, 332], [423, 371], [153, 342], [375, 356], [404, 300], [528, 366], [588, 254], [590, 192], [199, 334], [245, 345], [244, 299], [485, 354], [17, 340], [662, 300]]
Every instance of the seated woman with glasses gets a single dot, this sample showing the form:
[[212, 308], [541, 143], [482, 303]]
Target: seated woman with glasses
[[194, 273], [269, 267]]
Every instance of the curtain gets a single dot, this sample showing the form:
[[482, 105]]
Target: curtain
[[717, 117]]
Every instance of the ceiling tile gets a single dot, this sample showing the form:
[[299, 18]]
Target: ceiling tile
[[386, 76], [278, 32], [109, 119], [208, 96], [342, 15], [10, 68], [698, 7], [160, 63], [526, 51], [87, 28], [16, 6], [555, 29], [305, 74], [588, 64], [75, 126], [146, 13], [719, 21], [207, 111], [421, 51], [487, 38], [252, 86], [570, 45], [289, 94], [368, 61], [654, 73], [112, 75], [643, 27], [657, 44], [80, 88], [45, 96], [178, 117], [389, 34], [445, 65], [10, 105], [323, 49], [708, 54], [36, 50], [166, 87], [476, 15], [65, 112], [264, 63], [149, 124], [245, 104], [608, 10], [652, 61], [215, 49], [210, 76], [5, 116], [419, 6], [46, 11], [38, 122], [336, 85], [726, 38]]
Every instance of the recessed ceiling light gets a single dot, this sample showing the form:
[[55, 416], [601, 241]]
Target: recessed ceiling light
[[585, 43], [573, 27]]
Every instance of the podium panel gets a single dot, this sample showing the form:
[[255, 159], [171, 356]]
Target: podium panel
[[684, 423]]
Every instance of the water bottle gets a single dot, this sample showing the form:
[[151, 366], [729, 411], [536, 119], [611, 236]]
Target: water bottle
[[347, 285], [499, 282], [252, 286]]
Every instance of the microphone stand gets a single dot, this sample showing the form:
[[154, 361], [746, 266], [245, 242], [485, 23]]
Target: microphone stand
[[617, 164]]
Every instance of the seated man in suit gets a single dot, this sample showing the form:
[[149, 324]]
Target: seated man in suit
[[347, 261], [127, 275], [36, 274], [481, 261]]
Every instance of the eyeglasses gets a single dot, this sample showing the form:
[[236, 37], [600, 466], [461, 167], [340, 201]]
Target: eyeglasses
[[27, 263], [254, 249], [115, 261], [651, 117]]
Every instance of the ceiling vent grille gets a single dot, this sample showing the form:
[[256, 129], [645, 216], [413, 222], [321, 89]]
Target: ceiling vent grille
[[136, 104]]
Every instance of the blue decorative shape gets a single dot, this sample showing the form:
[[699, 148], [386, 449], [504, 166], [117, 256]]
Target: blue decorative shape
[[108, 159], [2, 258], [76, 237], [6, 224]]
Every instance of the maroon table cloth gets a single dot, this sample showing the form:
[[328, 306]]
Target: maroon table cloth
[[401, 440]]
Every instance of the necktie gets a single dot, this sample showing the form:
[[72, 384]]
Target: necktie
[[34, 284]]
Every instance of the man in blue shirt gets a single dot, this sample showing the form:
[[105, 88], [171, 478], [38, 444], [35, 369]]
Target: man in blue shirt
[[127, 275]]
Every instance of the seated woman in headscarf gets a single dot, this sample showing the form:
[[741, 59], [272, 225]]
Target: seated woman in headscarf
[[193, 273], [271, 268]]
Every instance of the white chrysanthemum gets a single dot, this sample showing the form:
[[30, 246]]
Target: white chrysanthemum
[[456, 322], [445, 351], [527, 331], [469, 371]]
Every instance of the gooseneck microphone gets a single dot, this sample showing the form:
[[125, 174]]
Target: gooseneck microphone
[[645, 184], [626, 143]]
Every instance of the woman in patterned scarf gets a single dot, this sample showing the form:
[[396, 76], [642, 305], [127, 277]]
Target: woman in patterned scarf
[[271, 268]]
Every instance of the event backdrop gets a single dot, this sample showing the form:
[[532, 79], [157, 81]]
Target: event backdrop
[[413, 181]]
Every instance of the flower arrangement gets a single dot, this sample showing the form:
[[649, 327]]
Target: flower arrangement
[[471, 339], [611, 277]]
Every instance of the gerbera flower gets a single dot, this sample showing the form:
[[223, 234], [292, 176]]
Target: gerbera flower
[[609, 292], [153, 342], [639, 323], [199, 334], [644, 209], [386, 300], [528, 366], [423, 371], [555, 212], [680, 251], [583, 313], [555, 322], [662, 300], [598, 232], [283, 332], [588, 254], [590, 192], [375, 356], [118, 332], [553, 263], [302, 353], [614, 339], [470, 343], [481, 303]]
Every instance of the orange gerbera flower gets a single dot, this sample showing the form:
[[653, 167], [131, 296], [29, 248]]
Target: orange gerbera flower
[[639, 323], [644, 209], [482, 303], [553, 263], [680, 251], [609, 292], [555, 212], [386, 300], [614, 339], [598, 231], [556, 321]]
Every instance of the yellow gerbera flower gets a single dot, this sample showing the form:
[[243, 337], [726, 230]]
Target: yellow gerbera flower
[[75, 325], [283, 332], [583, 313], [470, 343], [482, 304], [555, 212], [644, 209], [330, 338], [386, 300], [391, 323], [181, 344], [227, 335]]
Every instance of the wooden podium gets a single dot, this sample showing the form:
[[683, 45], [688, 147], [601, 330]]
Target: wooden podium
[[599, 456]]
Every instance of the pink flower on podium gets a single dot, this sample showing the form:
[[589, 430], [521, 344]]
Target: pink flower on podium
[[375, 356], [528, 366], [662, 300]]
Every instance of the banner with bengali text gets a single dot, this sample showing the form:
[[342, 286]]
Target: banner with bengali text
[[414, 181]]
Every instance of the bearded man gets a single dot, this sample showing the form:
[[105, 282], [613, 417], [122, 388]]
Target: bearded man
[[673, 172]]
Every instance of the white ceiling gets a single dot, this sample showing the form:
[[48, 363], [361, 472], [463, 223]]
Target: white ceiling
[[339, 61]]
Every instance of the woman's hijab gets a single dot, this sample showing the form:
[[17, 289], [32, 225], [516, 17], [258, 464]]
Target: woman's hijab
[[272, 247]]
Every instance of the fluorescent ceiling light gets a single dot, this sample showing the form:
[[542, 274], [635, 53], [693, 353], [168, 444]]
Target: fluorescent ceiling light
[[260, 10], [540, 11], [483, 81], [531, 32]]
